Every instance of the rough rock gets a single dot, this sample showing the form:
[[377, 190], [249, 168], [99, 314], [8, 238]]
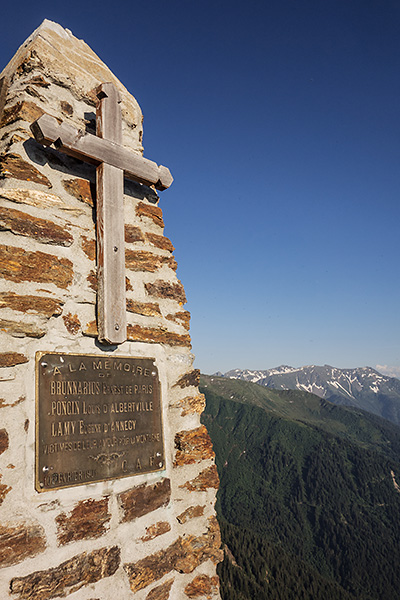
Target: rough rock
[[21, 541], [164, 289], [89, 247], [4, 489], [68, 61], [183, 555], [204, 586], [147, 309], [204, 480], [143, 499], [87, 520], [191, 404], [84, 531], [44, 231], [161, 592], [193, 446], [153, 567], [133, 234], [47, 307], [141, 260], [160, 241], [182, 318], [68, 577], [4, 441], [92, 281], [24, 111], [3, 92], [198, 549], [191, 378], [151, 211], [135, 333], [15, 167], [14, 138], [155, 530], [21, 329], [66, 108], [34, 198], [72, 323], [18, 265], [82, 189], [39, 81], [191, 513], [10, 359], [157, 336]]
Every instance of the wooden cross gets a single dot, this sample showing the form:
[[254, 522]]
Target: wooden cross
[[113, 161]]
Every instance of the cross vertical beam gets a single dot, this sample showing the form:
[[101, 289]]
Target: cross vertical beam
[[113, 162], [111, 305]]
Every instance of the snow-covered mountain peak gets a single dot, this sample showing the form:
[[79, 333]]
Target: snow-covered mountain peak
[[362, 387]]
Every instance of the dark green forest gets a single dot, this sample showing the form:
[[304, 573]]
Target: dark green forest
[[308, 506]]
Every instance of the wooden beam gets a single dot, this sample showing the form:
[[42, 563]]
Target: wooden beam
[[95, 150], [111, 303], [112, 160], [108, 113]]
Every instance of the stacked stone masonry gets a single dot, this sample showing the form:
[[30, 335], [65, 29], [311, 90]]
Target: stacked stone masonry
[[150, 536]]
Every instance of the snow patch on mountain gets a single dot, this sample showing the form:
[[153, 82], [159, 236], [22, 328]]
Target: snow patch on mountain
[[362, 387]]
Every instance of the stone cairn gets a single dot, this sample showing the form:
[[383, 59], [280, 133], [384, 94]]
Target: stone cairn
[[149, 536]]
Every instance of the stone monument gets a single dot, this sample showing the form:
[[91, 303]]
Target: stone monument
[[107, 477]]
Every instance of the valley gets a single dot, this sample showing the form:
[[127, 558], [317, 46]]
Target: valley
[[308, 503]]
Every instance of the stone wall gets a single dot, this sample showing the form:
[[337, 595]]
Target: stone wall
[[150, 536]]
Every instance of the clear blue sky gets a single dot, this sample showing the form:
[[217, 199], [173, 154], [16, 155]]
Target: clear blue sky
[[280, 122]]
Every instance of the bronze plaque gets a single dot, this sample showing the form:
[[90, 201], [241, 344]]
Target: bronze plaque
[[97, 417]]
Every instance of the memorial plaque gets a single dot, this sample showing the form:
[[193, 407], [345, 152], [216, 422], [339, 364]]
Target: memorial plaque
[[97, 417]]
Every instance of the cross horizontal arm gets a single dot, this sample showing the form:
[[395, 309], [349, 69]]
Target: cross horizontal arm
[[95, 150]]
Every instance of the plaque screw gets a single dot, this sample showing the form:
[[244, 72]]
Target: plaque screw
[[41, 485], [116, 327], [160, 464], [45, 469], [115, 248]]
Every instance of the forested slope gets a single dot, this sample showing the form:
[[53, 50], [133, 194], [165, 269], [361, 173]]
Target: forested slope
[[308, 505]]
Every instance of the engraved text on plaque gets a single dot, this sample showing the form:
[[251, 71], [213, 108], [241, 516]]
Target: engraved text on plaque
[[97, 417]]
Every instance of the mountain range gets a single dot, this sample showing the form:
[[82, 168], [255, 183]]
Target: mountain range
[[309, 500], [363, 387]]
